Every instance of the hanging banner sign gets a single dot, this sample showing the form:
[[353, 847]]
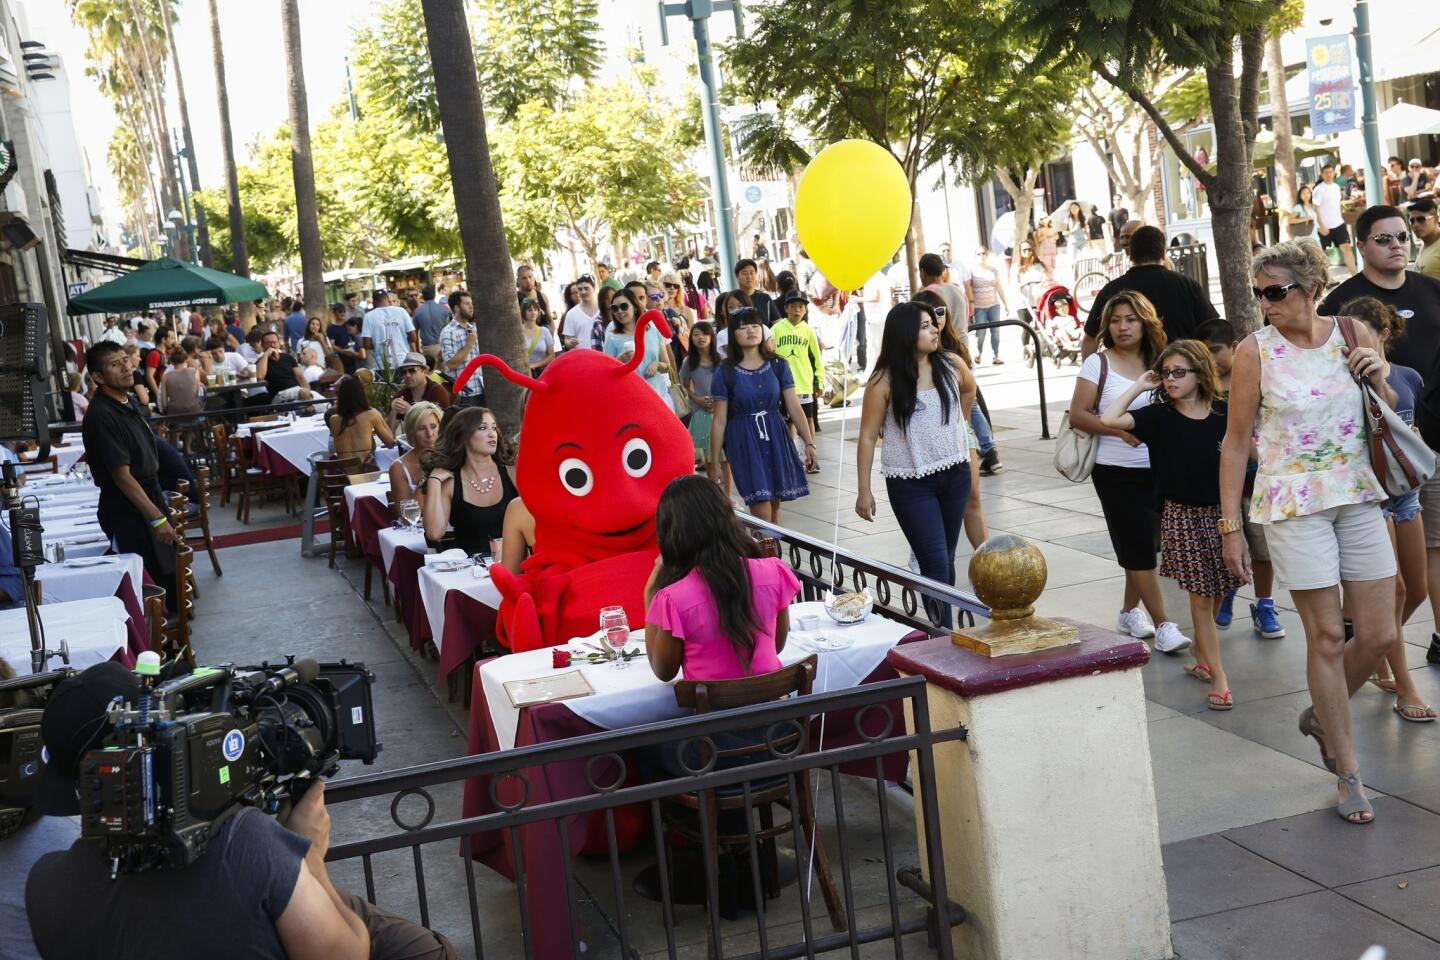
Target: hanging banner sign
[[1332, 84]]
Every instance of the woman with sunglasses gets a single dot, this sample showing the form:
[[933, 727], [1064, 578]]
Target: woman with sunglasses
[[655, 365], [1292, 388], [675, 299], [748, 392]]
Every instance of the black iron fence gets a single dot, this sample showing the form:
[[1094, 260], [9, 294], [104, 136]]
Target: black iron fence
[[890, 884], [1035, 345]]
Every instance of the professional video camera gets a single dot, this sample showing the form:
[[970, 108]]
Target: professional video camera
[[195, 747], [20, 744]]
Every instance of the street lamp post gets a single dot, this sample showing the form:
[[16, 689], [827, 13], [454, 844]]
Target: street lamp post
[[1369, 122], [698, 13]]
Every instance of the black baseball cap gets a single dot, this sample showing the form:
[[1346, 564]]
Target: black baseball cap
[[75, 722], [793, 296]]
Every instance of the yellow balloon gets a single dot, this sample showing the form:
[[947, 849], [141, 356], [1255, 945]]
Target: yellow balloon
[[852, 208]]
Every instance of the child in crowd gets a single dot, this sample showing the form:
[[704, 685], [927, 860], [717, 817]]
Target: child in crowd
[[1064, 328], [1182, 428], [1219, 336], [1407, 534], [698, 371]]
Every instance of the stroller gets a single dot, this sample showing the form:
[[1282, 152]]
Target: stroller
[[1057, 326]]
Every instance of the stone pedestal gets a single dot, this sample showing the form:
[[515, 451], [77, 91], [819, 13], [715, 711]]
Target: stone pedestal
[[1047, 811]]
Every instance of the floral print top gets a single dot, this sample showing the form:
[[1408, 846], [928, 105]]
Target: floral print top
[[1309, 431]]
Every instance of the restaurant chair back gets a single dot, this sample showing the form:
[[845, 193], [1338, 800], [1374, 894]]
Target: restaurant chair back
[[334, 478], [683, 813], [50, 464], [201, 522], [154, 599], [178, 640], [225, 462]]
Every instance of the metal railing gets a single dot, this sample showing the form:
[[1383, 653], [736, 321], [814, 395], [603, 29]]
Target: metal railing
[[523, 816], [822, 567], [1039, 366]]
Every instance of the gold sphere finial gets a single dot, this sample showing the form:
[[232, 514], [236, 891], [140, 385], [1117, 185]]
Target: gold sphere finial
[[1008, 574]]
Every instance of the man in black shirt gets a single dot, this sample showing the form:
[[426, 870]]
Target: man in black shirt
[[279, 369], [120, 450], [1118, 217], [747, 275], [1180, 303]]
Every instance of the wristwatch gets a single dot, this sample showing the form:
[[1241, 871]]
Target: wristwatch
[[1229, 526]]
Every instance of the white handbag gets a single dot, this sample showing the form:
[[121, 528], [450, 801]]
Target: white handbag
[[1074, 448]]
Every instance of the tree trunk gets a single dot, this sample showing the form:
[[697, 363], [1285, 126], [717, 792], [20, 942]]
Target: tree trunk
[[1230, 196], [477, 202], [307, 217], [1023, 196], [202, 231], [1280, 120], [152, 74], [239, 251]]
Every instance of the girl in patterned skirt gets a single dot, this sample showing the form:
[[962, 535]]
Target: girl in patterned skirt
[[1183, 428]]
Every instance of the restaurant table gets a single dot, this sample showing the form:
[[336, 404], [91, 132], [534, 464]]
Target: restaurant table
[[81, 536], [82, 578], [402, 553], [368, 512], [94, 630], [461, 607], [627, 697], [285, 451]]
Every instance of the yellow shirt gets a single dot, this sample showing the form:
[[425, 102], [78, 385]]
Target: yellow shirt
[[1429, 260]]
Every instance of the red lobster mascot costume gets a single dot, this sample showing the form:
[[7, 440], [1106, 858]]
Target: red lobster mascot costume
[[597, 447]]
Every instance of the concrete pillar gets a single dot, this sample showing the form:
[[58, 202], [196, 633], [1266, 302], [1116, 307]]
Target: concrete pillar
[[1047, 810]]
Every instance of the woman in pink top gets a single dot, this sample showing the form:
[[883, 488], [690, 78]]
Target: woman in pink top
[[705, 553]]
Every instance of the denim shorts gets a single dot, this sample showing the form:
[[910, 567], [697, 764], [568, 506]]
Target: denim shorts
[[1403, 508]]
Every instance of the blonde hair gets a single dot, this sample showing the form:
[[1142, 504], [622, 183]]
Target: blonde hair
[[1302, 259], [1197, 355], [413, 415]]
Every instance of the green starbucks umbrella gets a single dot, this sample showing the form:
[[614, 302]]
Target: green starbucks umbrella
[[166, 282]]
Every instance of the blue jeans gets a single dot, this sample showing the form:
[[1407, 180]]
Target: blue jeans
[[990, 314], [981, 426], [931, 513]]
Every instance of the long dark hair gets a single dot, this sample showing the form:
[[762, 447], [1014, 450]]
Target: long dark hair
[[949, 339], [455, 430], [712, 352], [350, 400], [897, 361], [629, 296], [697, 530], [734, 353]]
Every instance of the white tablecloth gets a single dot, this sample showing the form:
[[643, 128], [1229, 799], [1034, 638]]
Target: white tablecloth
[[376, 489], [291, 421], [633, 695], [82, 536], [434, 585], [68, 455], [85, 579], [67, 510], [95, 630], [296, 444], [392, 539]]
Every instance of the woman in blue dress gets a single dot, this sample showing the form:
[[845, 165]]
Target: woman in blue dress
[[748, 390], [655, 365]]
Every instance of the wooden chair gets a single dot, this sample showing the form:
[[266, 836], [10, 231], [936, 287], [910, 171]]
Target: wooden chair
[[681, 813], [254, 481], [50, 464], [177, 625], [154, 599], [334, 478], [201, 521], [226, 465], [180, 522]]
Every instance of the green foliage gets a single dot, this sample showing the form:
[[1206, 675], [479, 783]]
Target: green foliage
[[601, 167], [534, 50], [394, 85], [1186, 102]]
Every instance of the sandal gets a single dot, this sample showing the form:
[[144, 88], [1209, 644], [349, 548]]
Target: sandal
[[1220, 700], [1418, 712], [1357, 804], [1200, 672], [1384, 683], [1311, 728]]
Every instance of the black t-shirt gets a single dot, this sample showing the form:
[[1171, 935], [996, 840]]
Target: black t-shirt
[[765, 308], [116, 435], [339, 335], [1096, 225], [280, 374], [224, 905], [1179, 301], [1184, 453], [1417, 301], [1118, 217]]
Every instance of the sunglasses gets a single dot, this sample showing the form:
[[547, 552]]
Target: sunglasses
[[672, 286], [1385, 239], [741, 312], [1275, 292], [656, 297], [620, 308], [1176, 373], [1421, 218]]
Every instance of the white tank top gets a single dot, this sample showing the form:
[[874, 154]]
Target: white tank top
[[928, 445]]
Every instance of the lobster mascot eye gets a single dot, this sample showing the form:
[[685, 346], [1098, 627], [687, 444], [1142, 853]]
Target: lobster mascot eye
[[598, 445]]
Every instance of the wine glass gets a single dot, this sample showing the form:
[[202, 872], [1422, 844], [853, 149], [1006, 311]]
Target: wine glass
[[410, 512], [615, 633]]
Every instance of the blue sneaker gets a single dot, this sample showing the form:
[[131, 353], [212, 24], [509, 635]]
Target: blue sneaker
[[1267, 621], [1226, 613]]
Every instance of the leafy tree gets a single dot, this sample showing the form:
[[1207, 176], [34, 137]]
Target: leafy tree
[[394, 85], [594, 169], [302, 165], [928, 82], [1121, 42], [535, 50]]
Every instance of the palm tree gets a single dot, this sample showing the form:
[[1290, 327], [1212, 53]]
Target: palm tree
[[167, 19], [307, 216], [239, 255], [477, 199]]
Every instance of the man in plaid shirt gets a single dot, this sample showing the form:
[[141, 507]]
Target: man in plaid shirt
[[458, 347]]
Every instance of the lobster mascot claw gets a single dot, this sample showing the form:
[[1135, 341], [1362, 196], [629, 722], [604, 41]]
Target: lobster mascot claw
[[597, 447]]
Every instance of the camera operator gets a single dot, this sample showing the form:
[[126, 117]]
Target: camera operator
[[37, 835], [260, 889], [121, 452]]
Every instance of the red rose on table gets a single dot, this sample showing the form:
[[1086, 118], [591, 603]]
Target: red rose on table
[[559, 657]]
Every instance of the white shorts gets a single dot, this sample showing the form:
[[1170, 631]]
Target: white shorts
[[1345, 543]]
